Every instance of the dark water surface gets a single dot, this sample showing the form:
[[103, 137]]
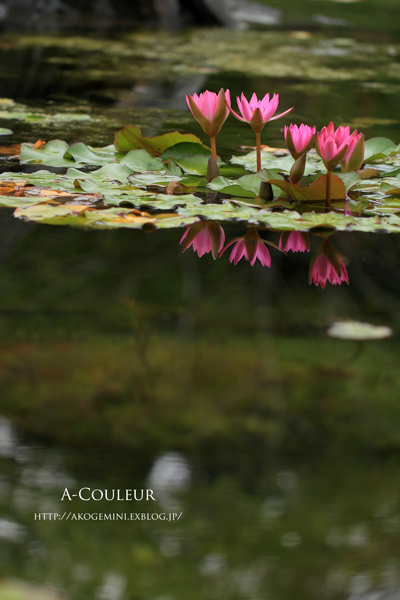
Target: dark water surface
[[125, 364]]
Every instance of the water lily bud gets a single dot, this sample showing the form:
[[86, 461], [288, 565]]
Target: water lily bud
[[299, 140], [355, 153], [297, 170]]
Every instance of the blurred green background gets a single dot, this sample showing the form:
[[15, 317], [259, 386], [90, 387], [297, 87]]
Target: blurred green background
[[127, 364]]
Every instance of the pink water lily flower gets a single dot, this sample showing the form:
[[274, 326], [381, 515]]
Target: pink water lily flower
[[258, 112], [327, 265], [204, 237], [250, 246], [296, 241], [332, 145], [299, 140], [354, 157], [211, 111]]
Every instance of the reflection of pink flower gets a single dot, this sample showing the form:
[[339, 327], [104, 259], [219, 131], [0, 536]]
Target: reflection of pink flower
[[296, 241], [332, 145], [258, 112], [327, 265], [299, 140], [250, 246], [210, 110], [204, 237], [347, 210]]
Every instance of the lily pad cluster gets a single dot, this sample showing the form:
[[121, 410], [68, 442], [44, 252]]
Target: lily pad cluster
[[169, 181]]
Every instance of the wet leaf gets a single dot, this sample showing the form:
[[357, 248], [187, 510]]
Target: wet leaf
[[87, 155], [390, 186], [52, 154], [354, 330], [141, 161], [233, 187], [5, 131], [185, 149], [131, 138], [314, 192], [377, 148], [349, 179], [282, 164], [194, 165]]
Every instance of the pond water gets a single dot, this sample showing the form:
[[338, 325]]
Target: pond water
[[127, 364]]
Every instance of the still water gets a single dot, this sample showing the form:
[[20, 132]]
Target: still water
[[272, 450]]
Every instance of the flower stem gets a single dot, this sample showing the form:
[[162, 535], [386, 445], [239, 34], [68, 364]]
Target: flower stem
[[328, 189], [258, 147], [213, 147]]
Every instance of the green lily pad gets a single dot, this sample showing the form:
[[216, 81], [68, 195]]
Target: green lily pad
[[87, 155], [232, 187], [5, 131], [131, 138], [185, 149], [70, 117], [113, 172], [314, 192], [353, 330], [52, 154], [378, 148], [173, 169], [194, 165], [390, 186], [141, 161], [350, 179], [282, 164]]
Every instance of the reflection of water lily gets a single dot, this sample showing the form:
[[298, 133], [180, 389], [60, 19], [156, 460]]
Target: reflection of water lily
[[327, 265], [257, 113], [299, 140], [250, 246], [204, 237], [211, 111], [296, 241]]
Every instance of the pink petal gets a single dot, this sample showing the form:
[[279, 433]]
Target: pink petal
[[184, 234], [202, 242], [244, 108], [263, 255], [239, 250], [281, 114], [210, 104], [228, 101], [237, 116], [254, 102]]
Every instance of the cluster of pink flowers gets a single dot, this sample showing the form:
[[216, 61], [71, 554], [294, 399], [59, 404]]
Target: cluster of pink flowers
[[211, 111], [333, 146], [208, 236]]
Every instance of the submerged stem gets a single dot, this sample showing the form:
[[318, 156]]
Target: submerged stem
[[328, 189], [258, 148], [213, 147]]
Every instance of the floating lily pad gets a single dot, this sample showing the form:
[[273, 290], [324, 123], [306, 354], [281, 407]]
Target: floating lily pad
[[185, 149], [131, 138], [353, 330], [87, 155], [141, 161], [314, 192], [377, 148], [5, 131]]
